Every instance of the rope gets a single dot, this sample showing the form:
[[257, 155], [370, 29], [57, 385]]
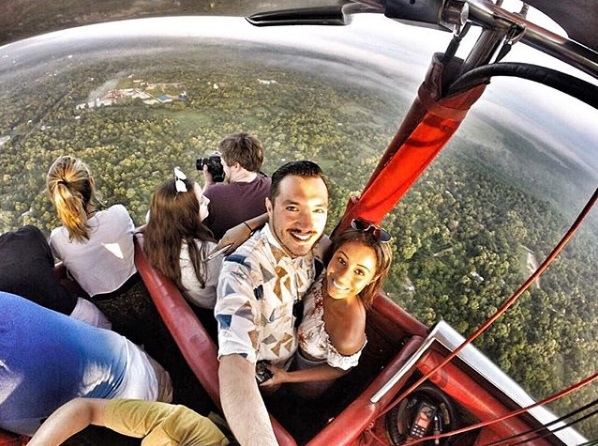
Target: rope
[[532, 431], [574, 227], [514, 413], [537, 437], [373, 437]]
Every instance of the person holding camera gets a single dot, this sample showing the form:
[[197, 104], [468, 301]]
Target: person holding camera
[[242, 194]]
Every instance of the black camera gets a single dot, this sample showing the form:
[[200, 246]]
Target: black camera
[[214, 164]]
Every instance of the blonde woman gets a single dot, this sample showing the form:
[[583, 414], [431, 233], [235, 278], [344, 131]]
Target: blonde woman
[[95, 246]]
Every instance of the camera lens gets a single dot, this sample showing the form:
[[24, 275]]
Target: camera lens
[[199, 163]]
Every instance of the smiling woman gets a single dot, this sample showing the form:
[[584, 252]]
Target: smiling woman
[[332, 333]]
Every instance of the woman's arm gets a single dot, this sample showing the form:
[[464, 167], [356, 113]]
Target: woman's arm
[[237, 235], [323, 372]]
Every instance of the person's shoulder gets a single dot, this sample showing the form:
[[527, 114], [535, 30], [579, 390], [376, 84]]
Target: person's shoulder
[[261, 185], [117, 209], [116, 212], [246, 249], [258, 242], [260, 182], [352, 326], [219, 195], [33, 234], [30, 229], [58, 232], [251, 253], [263, 178], [200, 243], [216, 189]]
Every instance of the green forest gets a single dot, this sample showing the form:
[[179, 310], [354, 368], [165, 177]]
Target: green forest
[[463, 236]]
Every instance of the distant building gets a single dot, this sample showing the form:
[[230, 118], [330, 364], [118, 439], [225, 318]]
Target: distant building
[[139, 92], [165, 98], [266, 82]]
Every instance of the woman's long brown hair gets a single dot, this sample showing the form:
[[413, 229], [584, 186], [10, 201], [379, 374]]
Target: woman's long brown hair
[[174, 219]]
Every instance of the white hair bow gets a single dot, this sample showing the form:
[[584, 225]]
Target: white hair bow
[[179, 176]]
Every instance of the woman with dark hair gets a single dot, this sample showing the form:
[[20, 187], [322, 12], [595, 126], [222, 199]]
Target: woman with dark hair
[[95, 246], [332, 333], [27, 270], [177, 243]]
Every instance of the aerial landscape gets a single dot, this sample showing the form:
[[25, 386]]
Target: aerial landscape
[[475, 226]]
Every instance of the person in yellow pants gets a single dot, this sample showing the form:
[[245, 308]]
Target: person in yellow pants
[[157, 423]]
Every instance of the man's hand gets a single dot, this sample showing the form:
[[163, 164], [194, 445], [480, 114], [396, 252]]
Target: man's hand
[[208, 179]]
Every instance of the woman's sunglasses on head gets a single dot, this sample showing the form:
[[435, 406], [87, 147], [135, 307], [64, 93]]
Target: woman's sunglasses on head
[[380, 234]]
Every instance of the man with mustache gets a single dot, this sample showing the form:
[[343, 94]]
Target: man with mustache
[[260, 284]]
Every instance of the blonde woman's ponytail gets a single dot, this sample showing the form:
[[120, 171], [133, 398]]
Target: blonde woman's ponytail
[[71, 189]]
